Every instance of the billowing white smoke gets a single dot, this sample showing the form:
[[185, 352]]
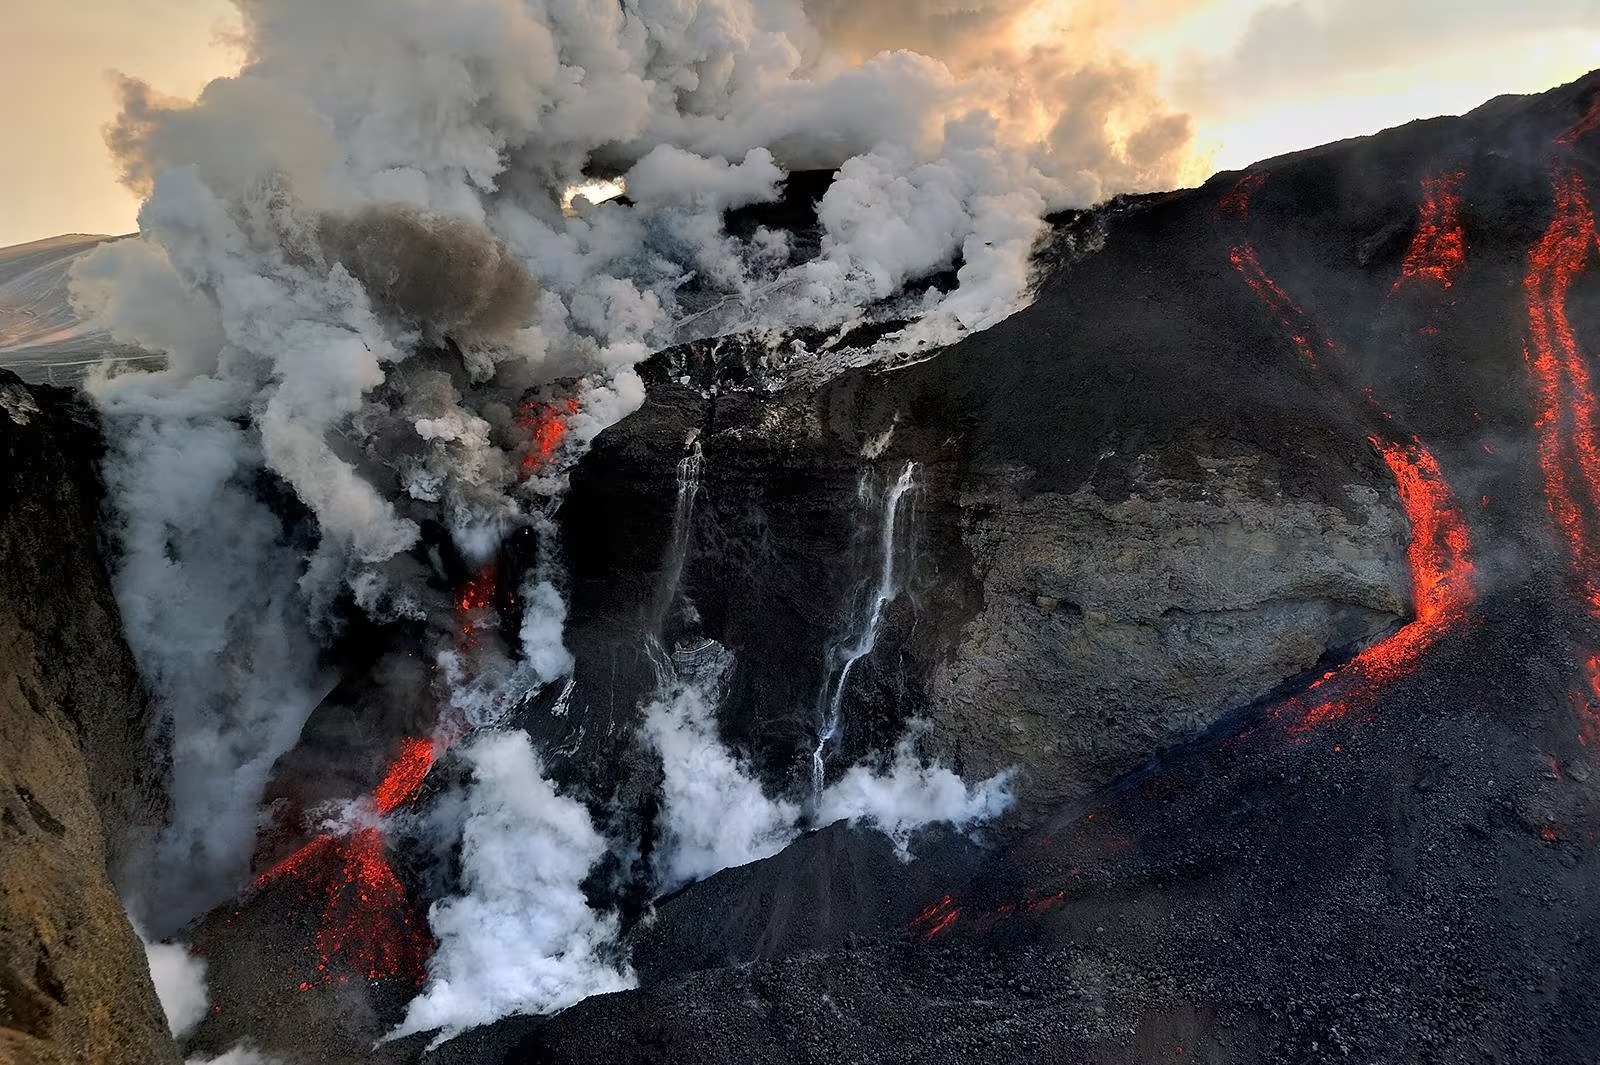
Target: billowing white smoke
[[522, 939], [207, 587], [180, 980], [909, 795], [715, 815], [356, 258], [239, 1055]]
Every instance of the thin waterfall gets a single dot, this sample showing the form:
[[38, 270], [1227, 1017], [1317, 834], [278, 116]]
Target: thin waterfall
[[843, 656], [672, 563]]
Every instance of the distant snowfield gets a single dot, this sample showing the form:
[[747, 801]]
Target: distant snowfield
[[41, 339]]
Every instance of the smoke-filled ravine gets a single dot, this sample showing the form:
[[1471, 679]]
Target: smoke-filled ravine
[[691, 533]]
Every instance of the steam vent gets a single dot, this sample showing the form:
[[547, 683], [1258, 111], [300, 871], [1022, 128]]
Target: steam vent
[[720, 532]]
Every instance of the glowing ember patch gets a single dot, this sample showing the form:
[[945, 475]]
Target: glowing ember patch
[[366, 926], [1548, 833], [1294, 321], [405, 776], [1438, 251], [1588, 707], [1236, 204], [1585, 125], [937, 918], [472, 601], [1440, 556], [478, 593], [546, 424]]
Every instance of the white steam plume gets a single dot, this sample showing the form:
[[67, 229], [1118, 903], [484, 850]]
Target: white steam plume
[[522, 939], [180, 980], [356, 258], [715, 814], [908, 795], [239, 1055]]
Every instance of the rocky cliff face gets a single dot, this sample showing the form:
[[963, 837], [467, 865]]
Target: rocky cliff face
[[74, 756]]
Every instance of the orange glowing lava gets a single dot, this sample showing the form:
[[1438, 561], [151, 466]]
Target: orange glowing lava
[[1567, 416], [1585, 125], [1440, 551], [1587, 706], [405, 776], [1295, 322], [1438, 251], [936, 919], [366, 923], [1236, 204], [546, 424], [1440, 556]]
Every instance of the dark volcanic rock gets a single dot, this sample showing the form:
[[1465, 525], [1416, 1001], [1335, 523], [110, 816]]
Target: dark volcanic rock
[[77, 777], [1145, 523], [825, 891]]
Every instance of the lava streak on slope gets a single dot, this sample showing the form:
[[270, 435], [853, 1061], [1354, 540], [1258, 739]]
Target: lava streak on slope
[[1567, 416], [1438, 250], [1236, 203], [1584, 126], [1295, 322], [366, 924], [1565, 420], [405, 776], [1440, 557], [1440, 550]]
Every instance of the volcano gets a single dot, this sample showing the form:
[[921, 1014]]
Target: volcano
[[1259, 557]]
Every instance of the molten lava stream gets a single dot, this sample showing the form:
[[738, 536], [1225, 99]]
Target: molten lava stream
[[366, 924], [1585, 125], [1440, 557], [1567, 416], [1438, 250], [1440, 551], [1294, 320]]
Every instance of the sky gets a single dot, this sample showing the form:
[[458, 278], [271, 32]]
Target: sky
[[1259, 78]]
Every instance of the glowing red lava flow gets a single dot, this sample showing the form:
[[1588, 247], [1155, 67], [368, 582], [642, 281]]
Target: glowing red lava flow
[[546, 424], [367, 925], [1567, 416], [1585, 125], [1440, 557], [1295, 322], [1438, 251], [1440, 551], [937, 918], [1236, 203]]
